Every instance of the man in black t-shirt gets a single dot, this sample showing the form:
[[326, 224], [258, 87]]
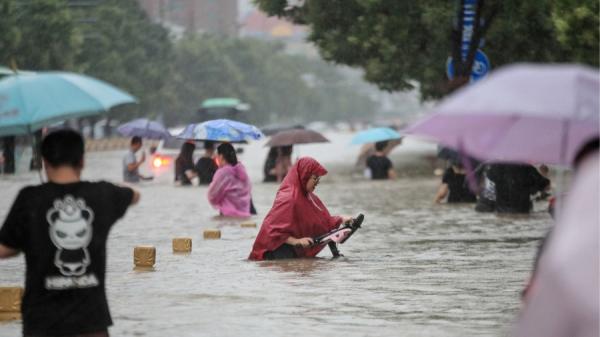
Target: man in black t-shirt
[[62, 227], [379, 165], [454, 186], [206, 166], [515, 183]]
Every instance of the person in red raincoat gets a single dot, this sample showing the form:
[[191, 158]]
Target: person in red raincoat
[[296, 217]]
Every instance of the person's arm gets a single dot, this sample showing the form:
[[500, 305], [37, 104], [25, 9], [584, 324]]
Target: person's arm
[[441, 193], [304, 242], [136, 197], [132, 166], [392, 174], [346, 218], [120, 198], [13, 233], [216, 189], [6, 251], [279, 169], [190, 173]]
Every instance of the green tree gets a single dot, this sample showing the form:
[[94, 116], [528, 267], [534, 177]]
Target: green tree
[[400, 43], [122, 46], [10, 37], [37, 34], [260, 74], [576, 24]]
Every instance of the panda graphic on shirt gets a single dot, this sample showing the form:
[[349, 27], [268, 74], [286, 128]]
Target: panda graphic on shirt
[[71, 232]]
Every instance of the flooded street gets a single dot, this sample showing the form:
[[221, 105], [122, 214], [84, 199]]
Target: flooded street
[[414, 269]]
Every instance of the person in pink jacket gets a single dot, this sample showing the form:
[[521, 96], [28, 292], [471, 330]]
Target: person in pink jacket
[[229, 191]]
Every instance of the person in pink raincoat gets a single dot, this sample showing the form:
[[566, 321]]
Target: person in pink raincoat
[[229, 191]]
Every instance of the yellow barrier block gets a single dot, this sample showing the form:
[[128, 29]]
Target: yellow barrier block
[[144, 256], [248, 225], [182, 245], [10, 299], [212, 234], [10, 316]]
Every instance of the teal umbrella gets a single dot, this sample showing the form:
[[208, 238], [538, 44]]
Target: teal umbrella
[[29, 102], [9, 72], [375, 135]]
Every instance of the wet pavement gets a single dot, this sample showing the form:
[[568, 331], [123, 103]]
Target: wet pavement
[[414, 269]]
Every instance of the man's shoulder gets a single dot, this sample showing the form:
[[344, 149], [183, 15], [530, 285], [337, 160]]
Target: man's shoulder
[[128, 155], [30, 190], [100, 184]]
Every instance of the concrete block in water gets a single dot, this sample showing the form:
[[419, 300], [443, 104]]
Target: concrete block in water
[[248, 224], [212, 234], [10, 316], [144, 256], [10, 303], [182, 245]]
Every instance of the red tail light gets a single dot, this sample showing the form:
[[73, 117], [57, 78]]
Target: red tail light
[[160, 162]]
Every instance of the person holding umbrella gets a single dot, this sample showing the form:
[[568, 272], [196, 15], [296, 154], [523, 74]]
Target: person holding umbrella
[[454, 187], [379, 165], [206, 166], [184, 165], [283, 163], [131, 164], [562, 296]]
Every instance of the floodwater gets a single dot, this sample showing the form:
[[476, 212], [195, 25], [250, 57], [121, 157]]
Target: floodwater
[[414, 269]]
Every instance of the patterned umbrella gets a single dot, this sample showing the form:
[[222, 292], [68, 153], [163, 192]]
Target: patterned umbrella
[[221, 130]]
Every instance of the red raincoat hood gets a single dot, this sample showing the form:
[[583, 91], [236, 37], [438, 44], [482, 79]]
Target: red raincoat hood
[[295, 213]]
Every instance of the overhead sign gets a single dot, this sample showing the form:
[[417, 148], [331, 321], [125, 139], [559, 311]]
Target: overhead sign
[[481, 66]]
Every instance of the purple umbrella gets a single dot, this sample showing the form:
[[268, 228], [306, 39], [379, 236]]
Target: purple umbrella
[[524, 113], [144, 128]]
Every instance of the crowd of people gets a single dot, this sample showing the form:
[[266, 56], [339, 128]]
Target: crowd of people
[[66, 261], [493, 187], [65, 285]]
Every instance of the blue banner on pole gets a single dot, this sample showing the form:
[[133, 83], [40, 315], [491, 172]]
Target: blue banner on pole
[[469, 9], [481, 63]]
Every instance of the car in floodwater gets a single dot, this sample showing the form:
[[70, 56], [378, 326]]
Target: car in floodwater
[[162, 158]]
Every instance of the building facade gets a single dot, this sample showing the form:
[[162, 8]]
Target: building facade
[[218, 17]]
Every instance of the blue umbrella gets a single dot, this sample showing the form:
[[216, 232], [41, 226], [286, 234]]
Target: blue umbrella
[[221, 130], [144, 128], [375, 135], [29, 102]]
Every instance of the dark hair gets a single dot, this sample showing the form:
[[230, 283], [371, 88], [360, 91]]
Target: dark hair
[[209, 145], [136, 140], [187, 151], [380, 146], [228, 152], [456, 161], [286, 150], [63, 148], [583, 151]]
